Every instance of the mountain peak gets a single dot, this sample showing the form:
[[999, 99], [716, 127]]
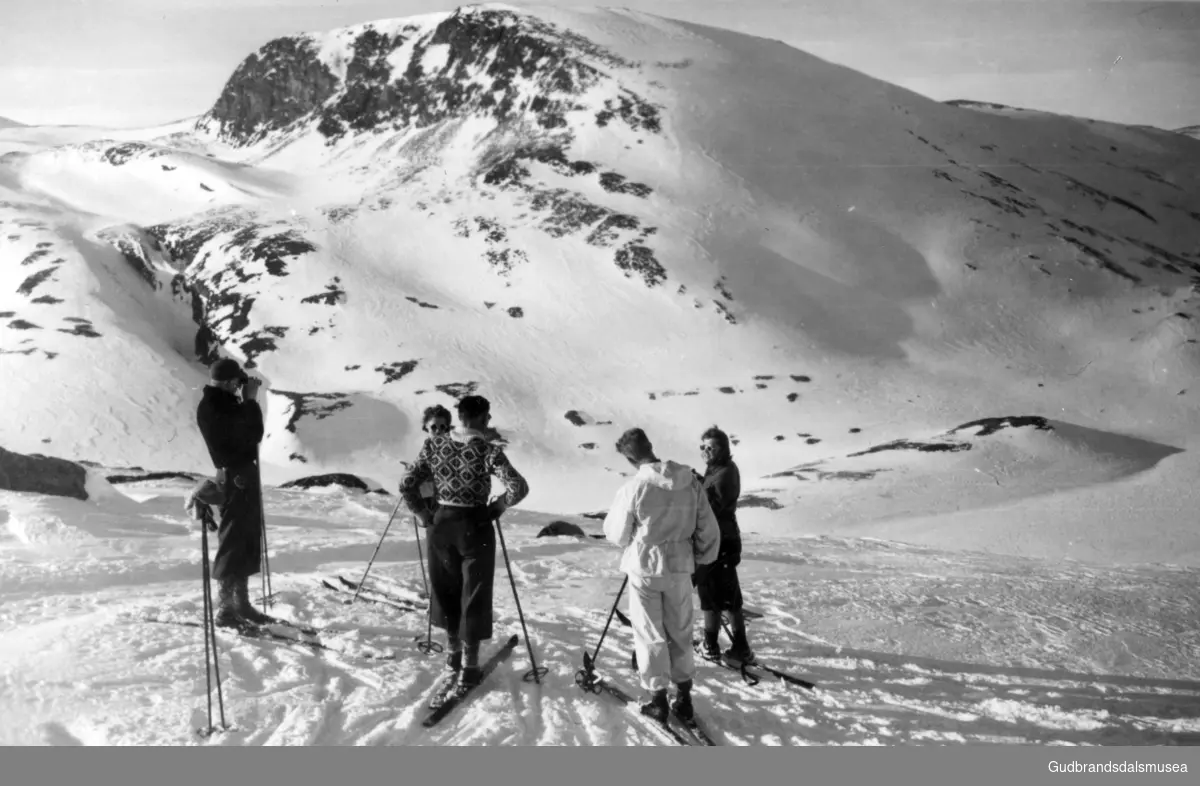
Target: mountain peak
[[411, 73]]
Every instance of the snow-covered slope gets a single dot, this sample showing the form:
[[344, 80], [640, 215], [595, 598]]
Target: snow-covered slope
[[601, 219], [906, 645], [963, 327]]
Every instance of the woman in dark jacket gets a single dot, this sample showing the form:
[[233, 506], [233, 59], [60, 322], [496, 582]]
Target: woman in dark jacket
[[719, 590]]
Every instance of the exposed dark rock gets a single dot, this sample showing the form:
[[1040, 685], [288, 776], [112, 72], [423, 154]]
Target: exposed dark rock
[[279, 84], [332, 479], [758, 501], [31, 283], [561, 529], [575, 418], [121, 154], [42, 475], [923, 447], [34, 256], [318, 405], [396, 371], [81, 329], [458, 390], [989, 426], [117, 479], [332, 295], [516, 312]]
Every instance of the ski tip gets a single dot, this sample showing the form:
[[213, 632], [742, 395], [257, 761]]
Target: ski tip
[[513, 640]]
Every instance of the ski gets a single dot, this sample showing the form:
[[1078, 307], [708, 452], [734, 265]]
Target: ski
[[664, 731], [748, 670], [264, 633], [371, 597], [695, 729], [455, 695], [353, 586], [386, 586]]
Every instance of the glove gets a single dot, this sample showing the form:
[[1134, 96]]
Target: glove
[[496, 509], [425, 519]]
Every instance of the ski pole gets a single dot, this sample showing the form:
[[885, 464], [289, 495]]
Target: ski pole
[[429, 645], [210, 631], [262, 516], [585, 678], [371, 562], [536, 673]]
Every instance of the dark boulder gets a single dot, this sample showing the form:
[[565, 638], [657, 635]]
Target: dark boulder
[[42, 475], [561, 528], [332, 479]]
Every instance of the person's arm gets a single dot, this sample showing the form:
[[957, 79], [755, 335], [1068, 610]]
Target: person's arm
[[706, 540], [515, 486], [410, 485], [620, 521]]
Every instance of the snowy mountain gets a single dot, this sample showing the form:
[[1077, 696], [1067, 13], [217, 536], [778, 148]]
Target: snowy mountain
[[1192, 131], [954, 344], [6, 123], [596, 218]]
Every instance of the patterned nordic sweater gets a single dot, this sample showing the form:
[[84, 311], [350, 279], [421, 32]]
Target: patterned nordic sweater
[[460, 465]]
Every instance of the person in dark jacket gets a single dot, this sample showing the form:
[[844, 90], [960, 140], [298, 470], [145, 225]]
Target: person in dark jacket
[[719, 589], [232, 429], [462, 543]]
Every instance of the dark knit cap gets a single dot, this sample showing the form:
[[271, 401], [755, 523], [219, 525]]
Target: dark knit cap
[[226, 369]]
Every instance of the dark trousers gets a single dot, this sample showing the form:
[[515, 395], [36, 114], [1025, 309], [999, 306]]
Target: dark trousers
[[462, 549], [721, 590], [239, 539]]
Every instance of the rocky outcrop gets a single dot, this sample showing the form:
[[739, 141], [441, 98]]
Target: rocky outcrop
[[42, 475], [493, 62], [281, 83]]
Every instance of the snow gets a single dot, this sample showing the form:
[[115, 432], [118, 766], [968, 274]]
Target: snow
[[1009, 584]]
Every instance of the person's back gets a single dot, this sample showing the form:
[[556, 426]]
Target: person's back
[[663, 521], [462, 546], [664, 500]]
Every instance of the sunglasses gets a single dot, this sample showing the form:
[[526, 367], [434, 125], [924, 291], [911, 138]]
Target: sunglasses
[[439, 428]]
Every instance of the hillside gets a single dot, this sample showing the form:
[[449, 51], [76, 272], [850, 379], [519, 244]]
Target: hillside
[[605, 218]]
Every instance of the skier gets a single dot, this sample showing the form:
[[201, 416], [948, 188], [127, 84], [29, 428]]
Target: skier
[[462, 544], [663, 521], [232, 430], [720, 590], [436, 420]]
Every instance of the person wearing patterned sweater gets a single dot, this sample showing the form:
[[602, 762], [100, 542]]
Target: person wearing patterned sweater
[[462, 544]]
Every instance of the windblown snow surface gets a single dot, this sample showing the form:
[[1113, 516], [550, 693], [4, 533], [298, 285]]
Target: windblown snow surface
[[955, 347]]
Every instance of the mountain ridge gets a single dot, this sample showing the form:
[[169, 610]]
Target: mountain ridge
[[700, 226]]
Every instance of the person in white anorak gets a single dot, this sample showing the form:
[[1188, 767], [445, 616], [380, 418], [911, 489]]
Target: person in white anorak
[[663, 521]]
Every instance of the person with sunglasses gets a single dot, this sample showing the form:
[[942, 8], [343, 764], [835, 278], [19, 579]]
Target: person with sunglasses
[[462, 543], [719, 589], [232, 429], [437, 420]]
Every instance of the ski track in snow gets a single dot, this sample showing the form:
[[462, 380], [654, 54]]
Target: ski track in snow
[[907, 644]]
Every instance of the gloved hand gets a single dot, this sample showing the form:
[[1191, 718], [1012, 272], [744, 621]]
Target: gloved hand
[[496, 509], [425, 519]]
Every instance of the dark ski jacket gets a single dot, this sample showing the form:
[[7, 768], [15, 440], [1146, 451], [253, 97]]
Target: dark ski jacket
[[231, 428], [723, 485]]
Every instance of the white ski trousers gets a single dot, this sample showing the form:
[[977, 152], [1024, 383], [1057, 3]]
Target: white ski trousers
[[660, 608]]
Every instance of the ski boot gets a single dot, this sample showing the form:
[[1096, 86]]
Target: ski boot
[[682, 704], [657, 708]]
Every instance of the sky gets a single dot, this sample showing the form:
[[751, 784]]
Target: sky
[[143, 62]]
